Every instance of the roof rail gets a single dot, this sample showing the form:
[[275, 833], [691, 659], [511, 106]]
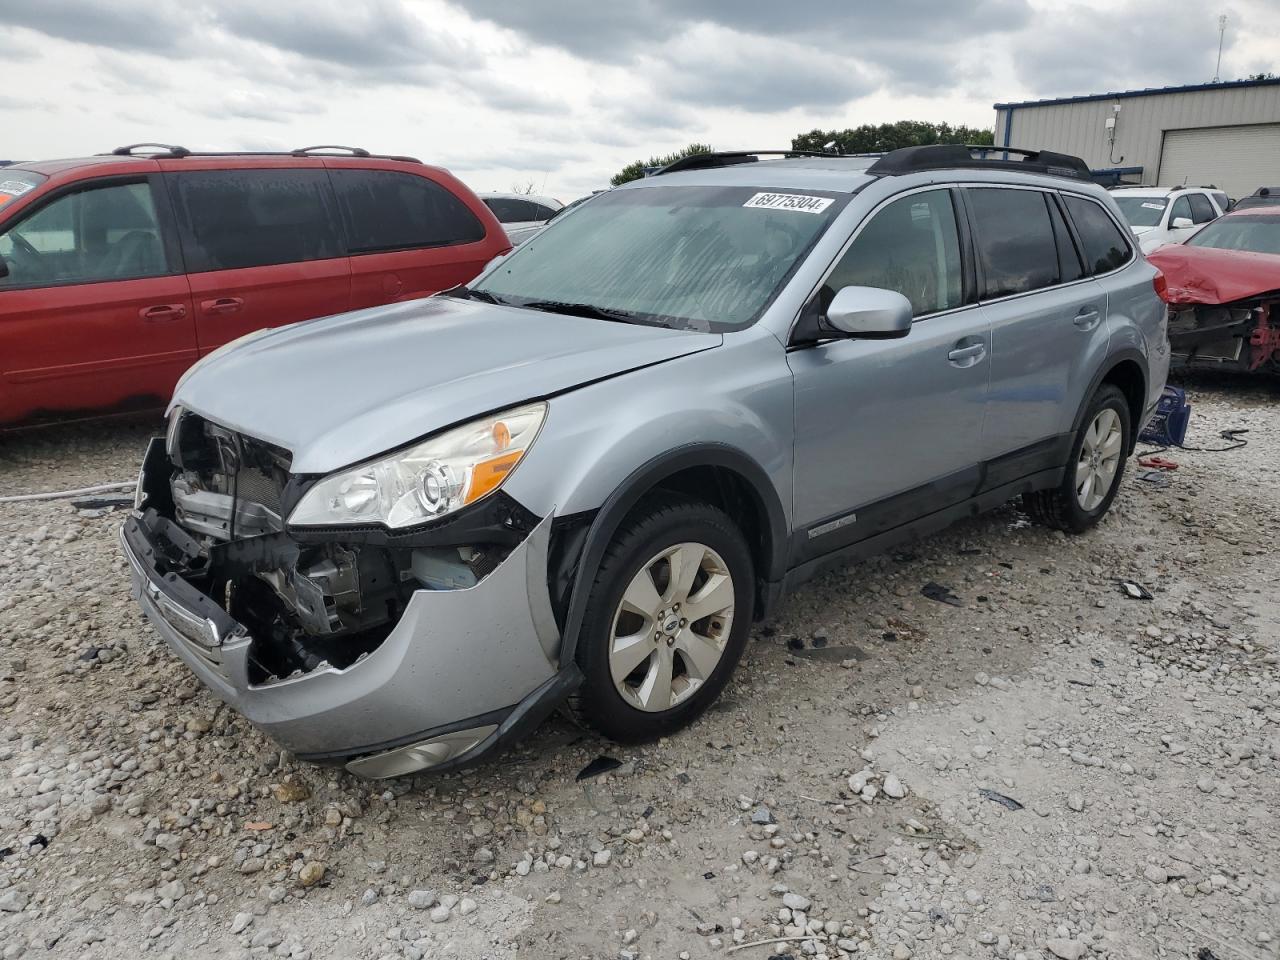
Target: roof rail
[[330, 148], [939, 156], [178, 153], [155, 149], [728, 158]]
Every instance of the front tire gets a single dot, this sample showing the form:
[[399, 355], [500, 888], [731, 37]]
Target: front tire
[[666, 622], [1094, 469]]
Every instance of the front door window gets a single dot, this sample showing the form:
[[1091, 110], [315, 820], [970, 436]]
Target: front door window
[[98, 234]]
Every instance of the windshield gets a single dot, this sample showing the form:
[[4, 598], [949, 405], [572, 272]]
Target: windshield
[[1142, 211], [1254, 234], [14, 183], [1267, 201], [694, 257]]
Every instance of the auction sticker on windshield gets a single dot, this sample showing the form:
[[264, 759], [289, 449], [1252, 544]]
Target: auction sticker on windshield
[[15, 188], [799, 202]]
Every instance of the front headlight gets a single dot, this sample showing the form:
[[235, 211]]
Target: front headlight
[[428, 480]]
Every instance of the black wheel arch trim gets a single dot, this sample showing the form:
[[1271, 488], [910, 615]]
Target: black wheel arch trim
[[1104, 369], [642, 481]]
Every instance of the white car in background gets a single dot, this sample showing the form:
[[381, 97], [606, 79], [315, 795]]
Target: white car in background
[[1160, 215], [521, 215]]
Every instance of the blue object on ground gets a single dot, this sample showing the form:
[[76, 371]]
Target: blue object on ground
[[1168, 426]]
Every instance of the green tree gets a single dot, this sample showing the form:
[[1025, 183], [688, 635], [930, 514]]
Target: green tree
[[634, 171], [880, 138], [1263, 76]]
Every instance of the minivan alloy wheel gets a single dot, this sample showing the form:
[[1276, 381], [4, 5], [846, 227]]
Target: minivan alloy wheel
[[1099, 459], [671, 627]]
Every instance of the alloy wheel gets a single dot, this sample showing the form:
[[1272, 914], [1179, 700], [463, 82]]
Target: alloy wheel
[[671, 627], [1099, 459]]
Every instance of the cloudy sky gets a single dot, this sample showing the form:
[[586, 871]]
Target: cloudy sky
[[562, 93]]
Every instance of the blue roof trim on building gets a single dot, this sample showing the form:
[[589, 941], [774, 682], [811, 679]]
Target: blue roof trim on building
[[1146, 92]]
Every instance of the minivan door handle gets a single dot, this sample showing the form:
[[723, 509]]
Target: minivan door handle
[[163, 313], [1087, 318], [967, 355], [222, 305]]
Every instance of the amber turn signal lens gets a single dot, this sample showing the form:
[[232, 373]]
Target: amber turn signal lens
[[488, 474], [501, 435]]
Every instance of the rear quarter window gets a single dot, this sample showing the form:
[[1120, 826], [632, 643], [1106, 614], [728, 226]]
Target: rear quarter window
[[386, 210], [230, 219], [1105, 247]]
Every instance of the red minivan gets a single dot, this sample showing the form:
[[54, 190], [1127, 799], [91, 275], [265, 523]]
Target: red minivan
[[117, 272]]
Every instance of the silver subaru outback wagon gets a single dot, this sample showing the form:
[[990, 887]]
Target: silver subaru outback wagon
[[398, 538]]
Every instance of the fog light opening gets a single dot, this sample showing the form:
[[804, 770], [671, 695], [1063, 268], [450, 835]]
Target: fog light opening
[[425, 754]]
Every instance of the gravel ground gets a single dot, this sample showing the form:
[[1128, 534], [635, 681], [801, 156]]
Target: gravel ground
[[1045, 768]]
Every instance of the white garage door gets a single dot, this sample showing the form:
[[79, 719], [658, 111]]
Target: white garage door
[[1236, 159]]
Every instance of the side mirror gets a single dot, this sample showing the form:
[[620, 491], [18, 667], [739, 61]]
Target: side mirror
[[1181, 223], [869, 313]]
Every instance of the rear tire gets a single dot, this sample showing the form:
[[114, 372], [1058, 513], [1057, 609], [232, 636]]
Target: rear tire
[[666, 622], [1094, 469]]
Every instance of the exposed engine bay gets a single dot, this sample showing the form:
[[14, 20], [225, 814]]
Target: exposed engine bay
[[308, 598]]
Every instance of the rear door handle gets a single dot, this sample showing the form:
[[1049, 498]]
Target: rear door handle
[[1087, 318], [222, 305], [967, 356], [163, 312]]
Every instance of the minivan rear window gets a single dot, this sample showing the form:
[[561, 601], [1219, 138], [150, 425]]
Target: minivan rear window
[[230, 219], [386, 210]]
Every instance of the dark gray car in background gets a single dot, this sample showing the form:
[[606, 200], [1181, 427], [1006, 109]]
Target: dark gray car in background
[[398, 538]]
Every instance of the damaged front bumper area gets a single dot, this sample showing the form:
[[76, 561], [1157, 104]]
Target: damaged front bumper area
[[1243, 335], [386, 653]]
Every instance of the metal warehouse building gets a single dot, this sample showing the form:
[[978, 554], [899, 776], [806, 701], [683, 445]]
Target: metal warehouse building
[[1227, 134]]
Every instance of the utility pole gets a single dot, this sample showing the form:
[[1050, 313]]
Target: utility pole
[[1222, 29]]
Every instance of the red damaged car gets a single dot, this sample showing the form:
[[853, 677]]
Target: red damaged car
[[118, 272], [1223, 291]]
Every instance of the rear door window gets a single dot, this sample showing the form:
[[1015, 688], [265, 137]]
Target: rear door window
[[1105, 247], [384, 210], [911, 246], [97, 234], [230, 219], [1015, 240], [1201, 208]]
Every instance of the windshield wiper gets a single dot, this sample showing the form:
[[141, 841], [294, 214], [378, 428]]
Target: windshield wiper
[[581, 310], [463, 292]]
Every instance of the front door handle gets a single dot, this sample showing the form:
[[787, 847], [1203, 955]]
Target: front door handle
[[163, 312], [222, 305], [1087, 318], [967, 356]]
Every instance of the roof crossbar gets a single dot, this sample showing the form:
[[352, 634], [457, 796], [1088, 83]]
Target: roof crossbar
[[151, 150], [728, 158], [940, 156]]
